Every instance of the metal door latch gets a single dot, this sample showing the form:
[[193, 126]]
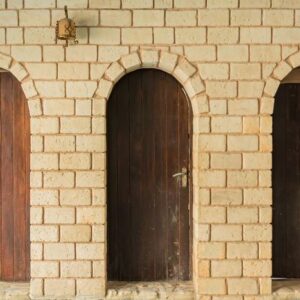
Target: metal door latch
[[182, 176]]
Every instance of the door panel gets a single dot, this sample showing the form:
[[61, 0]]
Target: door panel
[[14, 174], [286, 182], [148, 209]]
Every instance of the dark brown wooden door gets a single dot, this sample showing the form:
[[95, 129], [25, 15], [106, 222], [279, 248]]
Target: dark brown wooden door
[[14, 171], [148, 209], [286, 182]]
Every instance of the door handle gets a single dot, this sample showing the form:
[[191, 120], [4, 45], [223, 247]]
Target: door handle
[[183, 176]]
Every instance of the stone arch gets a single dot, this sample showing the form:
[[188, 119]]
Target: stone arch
[[188, 76], [280, 71], [176, 65], [18, 70]]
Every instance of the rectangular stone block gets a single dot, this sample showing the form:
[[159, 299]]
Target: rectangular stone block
[[212, 179], [59, 179], [226, 124], [226, 268], [213, 17], [75, 233], [242, 286], [39, 36], [115, 18], [75, 269], [59, 215], [40, 269], [27, 53], [90, 215], [242, 250], [242, 178], [105, 36], [257, 268], [44, 125], [232, 53], [242, 143], [226, 233], [53, 287], [252, 35], [43, 197], [258, 233], [148, 18], [58, 107], [199, 53], [75, 197], [34, 17], [8, 18], [212, 286], [75, 161], [245, 17], [242, 215], [190, 35], [73, 71], [278, 17], [59, 143], [53, 53], [91, 143], [82, 53], [222, 35], [137, 36], [226, 161], [88, 251], [245, 71], [43, 161], [43, 233], [258, 196], [181, 18], [59, 251], [75, 125], [226, 196], [92, 286], [286, 35], [212, 215], [221, 89]]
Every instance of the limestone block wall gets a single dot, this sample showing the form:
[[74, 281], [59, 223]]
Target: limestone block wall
[[229, 55]]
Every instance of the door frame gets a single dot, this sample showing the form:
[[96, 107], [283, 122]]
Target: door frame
[[189, 78]]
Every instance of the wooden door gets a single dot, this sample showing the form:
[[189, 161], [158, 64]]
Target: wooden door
[[148, 209], [286, 182], [14, 171]]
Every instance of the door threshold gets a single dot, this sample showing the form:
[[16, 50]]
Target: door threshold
[[171, 290], [14, 290], [286, 289]]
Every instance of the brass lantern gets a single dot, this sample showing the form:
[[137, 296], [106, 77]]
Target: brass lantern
[[66, 29]]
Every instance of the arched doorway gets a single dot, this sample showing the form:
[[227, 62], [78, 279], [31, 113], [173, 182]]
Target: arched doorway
[[286, 178], [149, 187], [14, 181]]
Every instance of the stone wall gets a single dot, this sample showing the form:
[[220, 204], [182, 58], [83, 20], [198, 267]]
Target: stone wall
[[229, 55]]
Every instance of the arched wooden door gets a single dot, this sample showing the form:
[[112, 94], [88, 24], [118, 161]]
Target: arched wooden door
[[14, 175], [149, 213], [286, 182]]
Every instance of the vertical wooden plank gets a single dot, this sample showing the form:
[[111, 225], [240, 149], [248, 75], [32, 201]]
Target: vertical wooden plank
[[184, 192], [7, 178], [20, 187], [159, 114], [1, 218], [173, 183]]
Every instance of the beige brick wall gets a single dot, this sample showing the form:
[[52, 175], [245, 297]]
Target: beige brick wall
[[229, 55]]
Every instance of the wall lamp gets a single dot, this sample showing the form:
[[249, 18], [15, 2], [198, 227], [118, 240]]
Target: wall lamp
[[66, 29]]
